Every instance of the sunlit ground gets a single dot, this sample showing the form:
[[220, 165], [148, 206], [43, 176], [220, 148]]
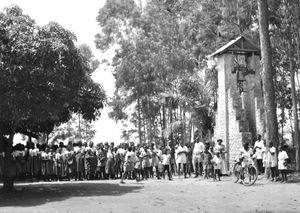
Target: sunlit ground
[[178, 195]]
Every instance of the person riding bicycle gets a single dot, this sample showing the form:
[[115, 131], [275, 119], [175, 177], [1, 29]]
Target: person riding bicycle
[[244, 168], [245, 157]]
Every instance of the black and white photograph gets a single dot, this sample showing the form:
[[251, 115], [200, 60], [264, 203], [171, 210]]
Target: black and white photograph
[[149, 106]]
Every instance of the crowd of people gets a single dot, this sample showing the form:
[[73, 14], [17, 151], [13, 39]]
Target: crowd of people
[[86, 161]]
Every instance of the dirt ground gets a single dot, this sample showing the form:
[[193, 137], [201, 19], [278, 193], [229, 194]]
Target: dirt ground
[[178, 195]]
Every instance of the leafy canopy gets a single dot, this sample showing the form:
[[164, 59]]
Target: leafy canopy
[[44, 76]]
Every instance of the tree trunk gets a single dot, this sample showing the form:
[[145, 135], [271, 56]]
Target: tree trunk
[[267, 75], [295, 108], [171, 121], [184, 125], [139, 121], [79, 127], [163, 123], [296, 6], [282, 115], [8, 182]]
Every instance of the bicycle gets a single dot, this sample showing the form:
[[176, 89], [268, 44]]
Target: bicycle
[[244, 171]]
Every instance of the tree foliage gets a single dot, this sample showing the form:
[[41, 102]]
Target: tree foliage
[[44, 79], [44, 76], [162, 49]]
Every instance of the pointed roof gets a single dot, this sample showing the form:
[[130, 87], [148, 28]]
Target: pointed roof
[[240, 45]]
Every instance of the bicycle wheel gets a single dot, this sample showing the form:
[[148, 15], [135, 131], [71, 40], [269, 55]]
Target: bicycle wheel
[[236, 172], [249, 175]]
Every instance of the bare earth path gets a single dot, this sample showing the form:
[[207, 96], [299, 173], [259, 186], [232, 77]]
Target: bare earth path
[[179, 195]]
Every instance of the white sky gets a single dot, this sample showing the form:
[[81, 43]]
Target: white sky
[[78, 16]]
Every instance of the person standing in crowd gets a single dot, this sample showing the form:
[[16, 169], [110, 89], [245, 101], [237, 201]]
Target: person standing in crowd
[[120, 156], [207, 164], [181, 153], [29, 162], [116, 162], [146, 166], [109, 167], [218, 162], [54, 165], [36, 162], [89, 164], [220, 147], [79, 161], [101, 162], [166, 162], [138, 165], [128, 164], [70, 162], [258, 147], [46, 157], [282, 163], [198, 157], [155, 155], [59, 163], [273, 161]]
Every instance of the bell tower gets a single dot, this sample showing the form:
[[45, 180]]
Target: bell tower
[[240, 99]]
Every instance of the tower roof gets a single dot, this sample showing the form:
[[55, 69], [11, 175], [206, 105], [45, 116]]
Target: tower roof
[[240, 46]]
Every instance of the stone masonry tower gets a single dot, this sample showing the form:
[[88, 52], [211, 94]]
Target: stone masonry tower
[[240, 100]]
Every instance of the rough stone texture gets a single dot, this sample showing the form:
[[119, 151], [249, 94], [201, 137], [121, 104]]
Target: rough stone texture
[[239, 116]]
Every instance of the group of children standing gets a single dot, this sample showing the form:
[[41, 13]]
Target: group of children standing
[[267, 159], [80, 161]]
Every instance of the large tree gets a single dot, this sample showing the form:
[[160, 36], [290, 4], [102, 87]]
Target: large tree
[[154, 67], [44, 79], [160, 50], [267, 74], [285, 24]]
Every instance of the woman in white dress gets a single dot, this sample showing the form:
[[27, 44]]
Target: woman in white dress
[[181, 153], [219, 147]]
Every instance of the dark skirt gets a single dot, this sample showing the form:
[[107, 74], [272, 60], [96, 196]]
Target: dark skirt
[[109, 167]]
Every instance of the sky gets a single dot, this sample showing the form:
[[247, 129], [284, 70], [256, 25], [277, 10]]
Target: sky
[[79, 17]]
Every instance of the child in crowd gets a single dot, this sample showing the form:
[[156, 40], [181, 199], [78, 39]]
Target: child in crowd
[[273, 161], [207, 165], [282, 163], [166, 162], [138, 166], [128, 164], [218, 162], [160, 168]]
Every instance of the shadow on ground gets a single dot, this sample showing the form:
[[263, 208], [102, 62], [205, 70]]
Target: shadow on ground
[[33, 195]]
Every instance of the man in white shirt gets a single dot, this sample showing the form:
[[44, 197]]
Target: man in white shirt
[[198, 157], [258, 147]]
